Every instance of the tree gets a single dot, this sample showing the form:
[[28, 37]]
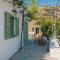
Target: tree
[[46, 26], [46, 29], [58, 26], [32, 9]]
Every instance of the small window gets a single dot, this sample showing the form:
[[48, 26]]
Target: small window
[[33, 29], [37, 30]]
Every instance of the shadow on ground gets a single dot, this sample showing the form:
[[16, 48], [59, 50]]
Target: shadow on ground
[[32, 51]]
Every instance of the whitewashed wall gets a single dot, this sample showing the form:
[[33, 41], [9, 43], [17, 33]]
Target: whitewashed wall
[[7, 47]]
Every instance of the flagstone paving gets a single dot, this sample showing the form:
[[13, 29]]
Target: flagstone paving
[[31, 52], [55, 53]]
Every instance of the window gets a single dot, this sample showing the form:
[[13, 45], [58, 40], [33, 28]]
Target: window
[[37, 30], [11, 26], [33, 29]]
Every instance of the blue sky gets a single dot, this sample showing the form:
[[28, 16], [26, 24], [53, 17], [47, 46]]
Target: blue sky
[[48, 2]]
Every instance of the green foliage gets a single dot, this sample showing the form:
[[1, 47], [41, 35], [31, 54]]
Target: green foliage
[[33, 1], [46, 29], [32, 8], [58, 26], [46, 26]]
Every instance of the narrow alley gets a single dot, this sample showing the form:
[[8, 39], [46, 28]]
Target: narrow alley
[[29, 30], [31, 51]]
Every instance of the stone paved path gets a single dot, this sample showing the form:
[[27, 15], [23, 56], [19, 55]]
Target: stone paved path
[[31, 52], [55, 53]]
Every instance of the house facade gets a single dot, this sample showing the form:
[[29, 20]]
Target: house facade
[[33, 29], [10, 30]]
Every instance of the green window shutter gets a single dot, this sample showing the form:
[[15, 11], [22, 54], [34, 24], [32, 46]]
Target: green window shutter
[[7, 25], [11, 26], [17, 26]]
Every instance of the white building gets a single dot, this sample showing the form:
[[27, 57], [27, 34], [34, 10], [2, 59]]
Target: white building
[[10, 31]]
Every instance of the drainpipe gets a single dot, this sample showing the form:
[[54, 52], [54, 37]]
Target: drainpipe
[[21, 44]]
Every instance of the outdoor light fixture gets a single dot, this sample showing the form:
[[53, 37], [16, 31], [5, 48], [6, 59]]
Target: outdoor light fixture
[[14, 11], [21, 11]]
